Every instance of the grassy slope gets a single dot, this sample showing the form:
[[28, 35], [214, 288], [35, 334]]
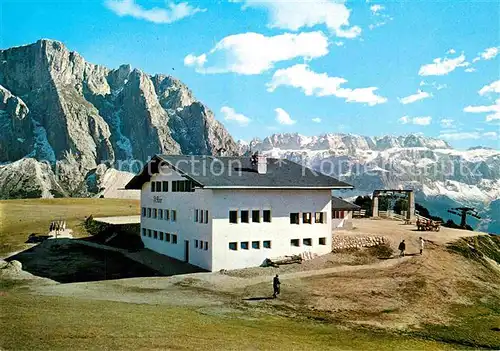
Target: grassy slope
[[64, 323], [20, 218]]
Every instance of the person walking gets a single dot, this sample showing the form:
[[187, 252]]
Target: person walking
[[276, 286], [402, 248], [421, 245]]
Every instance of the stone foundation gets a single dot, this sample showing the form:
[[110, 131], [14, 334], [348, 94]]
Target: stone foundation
[[342, 242]]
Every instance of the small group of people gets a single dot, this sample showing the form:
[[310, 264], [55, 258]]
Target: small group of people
[[57, 226], [402, 247]]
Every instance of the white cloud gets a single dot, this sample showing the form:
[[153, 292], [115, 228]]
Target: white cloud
[[231, 115], [490, 88], [253, 53], [440, 66], [282, 117], [495, 109], [172, 13], [316, 120], [433, 84], [489, 53], [320, 84], [339, 43], [197, 61], [376, 8], [420, 95], [447, 123], [468, 135], [421, 121], [451, 52], [470, 70], [293, 15]]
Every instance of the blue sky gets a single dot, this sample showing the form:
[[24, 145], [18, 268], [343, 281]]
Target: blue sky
[[370, 68]]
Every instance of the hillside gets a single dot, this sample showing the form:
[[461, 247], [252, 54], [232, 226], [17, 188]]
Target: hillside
[[447, 298], [441, 176]]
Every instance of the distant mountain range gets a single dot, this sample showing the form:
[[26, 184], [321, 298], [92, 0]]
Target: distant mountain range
[[66, 124], [441, 176]]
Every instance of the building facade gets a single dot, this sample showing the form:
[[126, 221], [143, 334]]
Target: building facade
[[229, 221], [342, 212]]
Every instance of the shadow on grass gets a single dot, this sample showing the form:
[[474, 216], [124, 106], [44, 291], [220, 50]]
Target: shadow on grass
[[68, 261], [261, 298]]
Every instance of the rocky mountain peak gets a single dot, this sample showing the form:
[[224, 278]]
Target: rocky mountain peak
[[58, 107]]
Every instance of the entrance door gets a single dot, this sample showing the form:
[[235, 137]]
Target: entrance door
[[186, 250]]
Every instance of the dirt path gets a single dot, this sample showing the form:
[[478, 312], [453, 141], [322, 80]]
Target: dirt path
[[197, 289]]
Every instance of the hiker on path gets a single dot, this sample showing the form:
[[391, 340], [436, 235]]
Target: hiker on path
[[276, 286], [421, 245], [402, 248]]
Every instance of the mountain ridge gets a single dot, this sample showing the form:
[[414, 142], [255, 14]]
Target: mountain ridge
[[76, 115]]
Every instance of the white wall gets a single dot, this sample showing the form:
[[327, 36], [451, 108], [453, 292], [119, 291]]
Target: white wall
[[279, 231], [184, 227], [345, 222]]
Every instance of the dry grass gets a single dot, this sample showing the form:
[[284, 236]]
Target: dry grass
[[55, 323], [20, 218]]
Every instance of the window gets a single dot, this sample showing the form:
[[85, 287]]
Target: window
[[196, 243], [201, 216], [149, 233], [233, 246], [167, 215], [233, 216], [319, 217], [206, 216], [155, 213], [174, 239], [196, 215], [155, 234], [149, 212], [144, 211], [206, 246], [244, 216], [175, 186], [161, 236], [256, 245], [244, 245], [294, 218], [307, 242], [266, 244], [322, 241], [182, 186], [295, 242], [165, 186], [153, 187], [338, 214], [256, 216], [143, 231], [307, 217], [174, 215], [266, 216], [167, 237], [160, 213]]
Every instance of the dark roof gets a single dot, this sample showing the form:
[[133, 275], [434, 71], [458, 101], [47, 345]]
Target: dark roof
[[339, 204], [237, 172]]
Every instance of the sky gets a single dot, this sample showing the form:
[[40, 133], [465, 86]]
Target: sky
[[272, 66]]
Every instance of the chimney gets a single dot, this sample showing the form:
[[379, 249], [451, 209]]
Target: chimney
[[259, 163]]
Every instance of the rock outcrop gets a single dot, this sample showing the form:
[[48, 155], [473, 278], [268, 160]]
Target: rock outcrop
[[56, 107]]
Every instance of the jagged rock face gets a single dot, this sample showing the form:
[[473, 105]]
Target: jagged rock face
[[78, 115], [199, 133], [441, 176], [28, 178], [16, 137]]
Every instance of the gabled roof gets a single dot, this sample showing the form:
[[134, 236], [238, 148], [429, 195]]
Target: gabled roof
[[339, 204], [237, 172]]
